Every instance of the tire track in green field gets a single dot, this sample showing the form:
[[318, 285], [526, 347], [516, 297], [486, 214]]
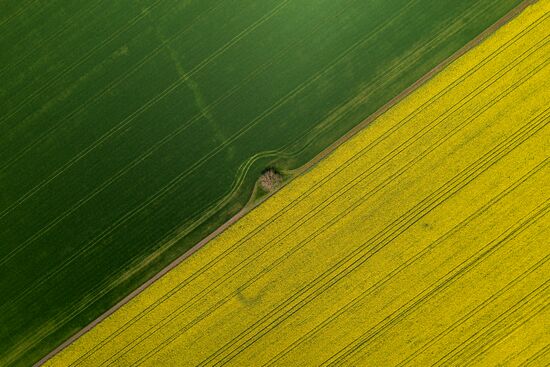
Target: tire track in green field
[[474, 312], [95, 98], [21, 40], [371, 246], [237, 183], [298, 246], [80, 61], [197, 68], [443, 283], [71, 21], [17, 13], [470, 72]]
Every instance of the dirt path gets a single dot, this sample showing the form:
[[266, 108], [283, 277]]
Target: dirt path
[[502, 21]]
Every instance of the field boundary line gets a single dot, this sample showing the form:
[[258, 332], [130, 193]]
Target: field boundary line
[[477, 40], [313, 78]]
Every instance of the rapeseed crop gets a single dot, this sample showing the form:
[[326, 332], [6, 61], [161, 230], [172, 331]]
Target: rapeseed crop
[[422, 241]]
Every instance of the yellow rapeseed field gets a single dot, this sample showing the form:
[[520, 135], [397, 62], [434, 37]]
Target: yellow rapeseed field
[[423, 240]]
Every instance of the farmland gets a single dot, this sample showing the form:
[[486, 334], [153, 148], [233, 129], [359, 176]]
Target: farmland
[[422, 240], [129, 130]]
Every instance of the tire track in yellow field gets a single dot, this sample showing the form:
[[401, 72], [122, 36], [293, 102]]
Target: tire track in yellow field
[[474, 312], [535, 299], [524, 319], [542, 353], [490, 248]]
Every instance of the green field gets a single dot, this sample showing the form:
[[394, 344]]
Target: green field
[[129, 130]]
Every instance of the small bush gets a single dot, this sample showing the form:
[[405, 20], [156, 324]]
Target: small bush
[[270, 179]]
